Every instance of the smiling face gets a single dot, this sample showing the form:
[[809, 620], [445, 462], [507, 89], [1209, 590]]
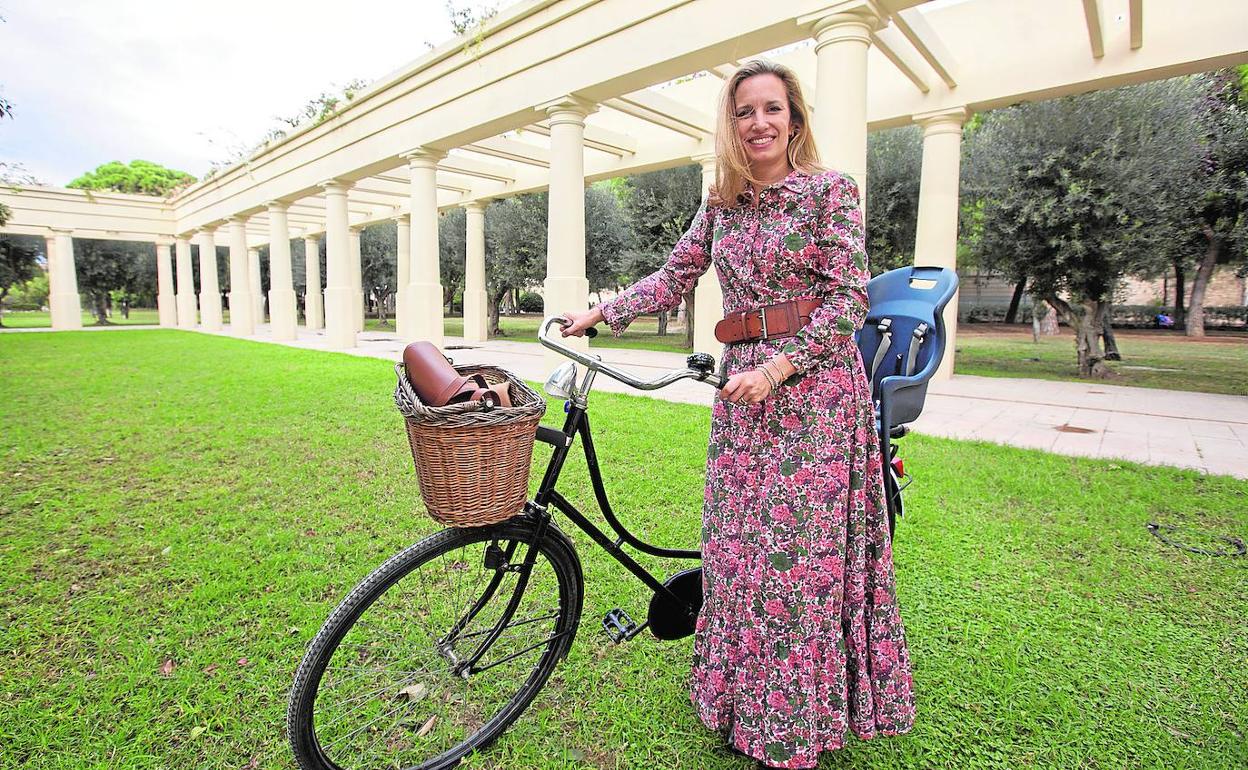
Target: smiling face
[[764, 125]]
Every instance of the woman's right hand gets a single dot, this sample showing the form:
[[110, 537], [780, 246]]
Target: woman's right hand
[[581, 320]]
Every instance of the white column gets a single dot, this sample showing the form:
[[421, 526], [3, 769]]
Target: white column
[[166, 308], [254, 282], [283, 315], [63, 298], [840, 119], [242, 318], [475, 303], [403, 263], [357, 279], [424, 289], [340, 302], [186, 284], [209, 287], [708, 297], [936, 234], [313, 301], [566, 287]]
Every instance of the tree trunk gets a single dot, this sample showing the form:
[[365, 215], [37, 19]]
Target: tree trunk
[[663, 323], [381, 308], [1012, 313], [448, 298], [4, 292], [101, 311], [689, 307], [1180, 294], [1087, 318], [493, 300], [125, 309], [1048, 322], [1107, 335], [1196, 309]]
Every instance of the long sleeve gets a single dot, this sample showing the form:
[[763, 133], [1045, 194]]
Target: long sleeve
[[664, 288], [841, 276]]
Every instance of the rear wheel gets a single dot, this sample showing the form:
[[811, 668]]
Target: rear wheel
[[386, 681]]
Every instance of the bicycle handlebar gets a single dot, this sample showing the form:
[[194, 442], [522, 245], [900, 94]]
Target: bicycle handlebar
[[594, 363]]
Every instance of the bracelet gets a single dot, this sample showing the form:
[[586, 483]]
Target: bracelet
[[770, 379], [775, 370]]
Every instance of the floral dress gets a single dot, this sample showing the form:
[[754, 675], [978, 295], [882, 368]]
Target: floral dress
[[800, 639]]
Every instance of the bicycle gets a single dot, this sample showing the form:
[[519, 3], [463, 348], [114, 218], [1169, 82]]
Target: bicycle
[[464, 628]]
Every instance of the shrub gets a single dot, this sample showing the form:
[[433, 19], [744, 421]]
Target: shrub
[[531, 302]]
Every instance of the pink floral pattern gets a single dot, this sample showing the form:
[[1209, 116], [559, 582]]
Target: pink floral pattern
[[800, 640]]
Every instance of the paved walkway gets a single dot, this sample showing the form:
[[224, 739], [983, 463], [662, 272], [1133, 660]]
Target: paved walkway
[[1203, 431]]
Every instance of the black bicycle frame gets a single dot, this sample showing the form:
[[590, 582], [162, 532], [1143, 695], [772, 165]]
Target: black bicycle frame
[[538, 510]]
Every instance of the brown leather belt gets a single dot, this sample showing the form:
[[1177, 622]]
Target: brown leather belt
[[783, 319]]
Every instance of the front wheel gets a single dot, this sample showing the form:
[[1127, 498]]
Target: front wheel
[[389, 679]]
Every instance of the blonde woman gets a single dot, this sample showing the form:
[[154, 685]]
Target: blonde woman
[[800, 640]]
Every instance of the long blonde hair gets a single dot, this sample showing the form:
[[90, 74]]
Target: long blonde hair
[[732, 165]]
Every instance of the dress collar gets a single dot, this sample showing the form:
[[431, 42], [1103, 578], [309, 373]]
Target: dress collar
[[796, 182]]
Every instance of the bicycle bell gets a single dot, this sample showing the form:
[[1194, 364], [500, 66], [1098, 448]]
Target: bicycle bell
[[562, 382]]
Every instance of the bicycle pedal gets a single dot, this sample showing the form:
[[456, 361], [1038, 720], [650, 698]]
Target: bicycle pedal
[[618, 626]]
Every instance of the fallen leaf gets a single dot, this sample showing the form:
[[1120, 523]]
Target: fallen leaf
[[166, 668], [166, 550], [244, 662], [426, 727], [309, 533], [293, 630], [253, 764], [413, 692], [198, 731], [212, 669]]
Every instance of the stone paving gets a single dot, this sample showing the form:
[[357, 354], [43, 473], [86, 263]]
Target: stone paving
[[1202, 431]]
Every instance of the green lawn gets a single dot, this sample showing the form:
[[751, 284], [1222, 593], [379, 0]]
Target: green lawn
[[30, 319], [1218, 364], [179, 513]]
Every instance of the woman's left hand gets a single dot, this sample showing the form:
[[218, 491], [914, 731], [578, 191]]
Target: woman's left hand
[[746, 388]]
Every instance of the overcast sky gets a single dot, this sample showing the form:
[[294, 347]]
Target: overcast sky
[[180, 82]]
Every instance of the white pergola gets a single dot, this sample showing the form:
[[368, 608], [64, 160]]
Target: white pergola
[[554, 94]]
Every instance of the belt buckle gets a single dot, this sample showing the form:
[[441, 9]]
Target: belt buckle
[[762, 318]]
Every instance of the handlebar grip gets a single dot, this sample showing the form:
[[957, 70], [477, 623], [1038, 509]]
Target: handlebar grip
[[591, 332]]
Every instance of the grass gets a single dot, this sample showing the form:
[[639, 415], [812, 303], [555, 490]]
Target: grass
[[1151, 359], [32, 319], [167, 496]]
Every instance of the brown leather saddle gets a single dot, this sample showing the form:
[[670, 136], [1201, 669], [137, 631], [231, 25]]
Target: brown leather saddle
[[438, 384]]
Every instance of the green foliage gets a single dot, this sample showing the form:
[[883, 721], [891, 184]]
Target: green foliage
[[607, 236], [453, 248], [141, 177], [105, 267], [531, 302], [31, 294], [515, 242], [894, 163], [19, 261]]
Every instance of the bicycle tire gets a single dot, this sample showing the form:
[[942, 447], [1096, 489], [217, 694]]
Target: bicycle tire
[[555, 554]]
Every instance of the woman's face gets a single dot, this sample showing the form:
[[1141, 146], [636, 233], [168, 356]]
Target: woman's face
[[763, 121]]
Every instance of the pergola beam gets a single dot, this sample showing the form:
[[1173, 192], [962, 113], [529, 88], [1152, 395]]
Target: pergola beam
[[596, 138], [510, 149], [1096, 35], [893, 45], [654, 107], [1135, 9], [925, 40]]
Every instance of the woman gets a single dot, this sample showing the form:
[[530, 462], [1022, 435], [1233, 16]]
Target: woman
[[800, 639]]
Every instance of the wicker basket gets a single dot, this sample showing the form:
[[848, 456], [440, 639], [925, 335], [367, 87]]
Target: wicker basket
[[472, 461]]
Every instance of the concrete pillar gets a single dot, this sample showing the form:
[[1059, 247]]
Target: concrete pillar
[[313, 301], [936, 234], [840, 119], [283, 315], [255, 283], [424, 288], [475, 303], [708, 297], [186, 284], [357, 278], [63, 298], [403, 264], [166, 308], [340, 302], [209, 286], [242, 311], [566, 287]]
